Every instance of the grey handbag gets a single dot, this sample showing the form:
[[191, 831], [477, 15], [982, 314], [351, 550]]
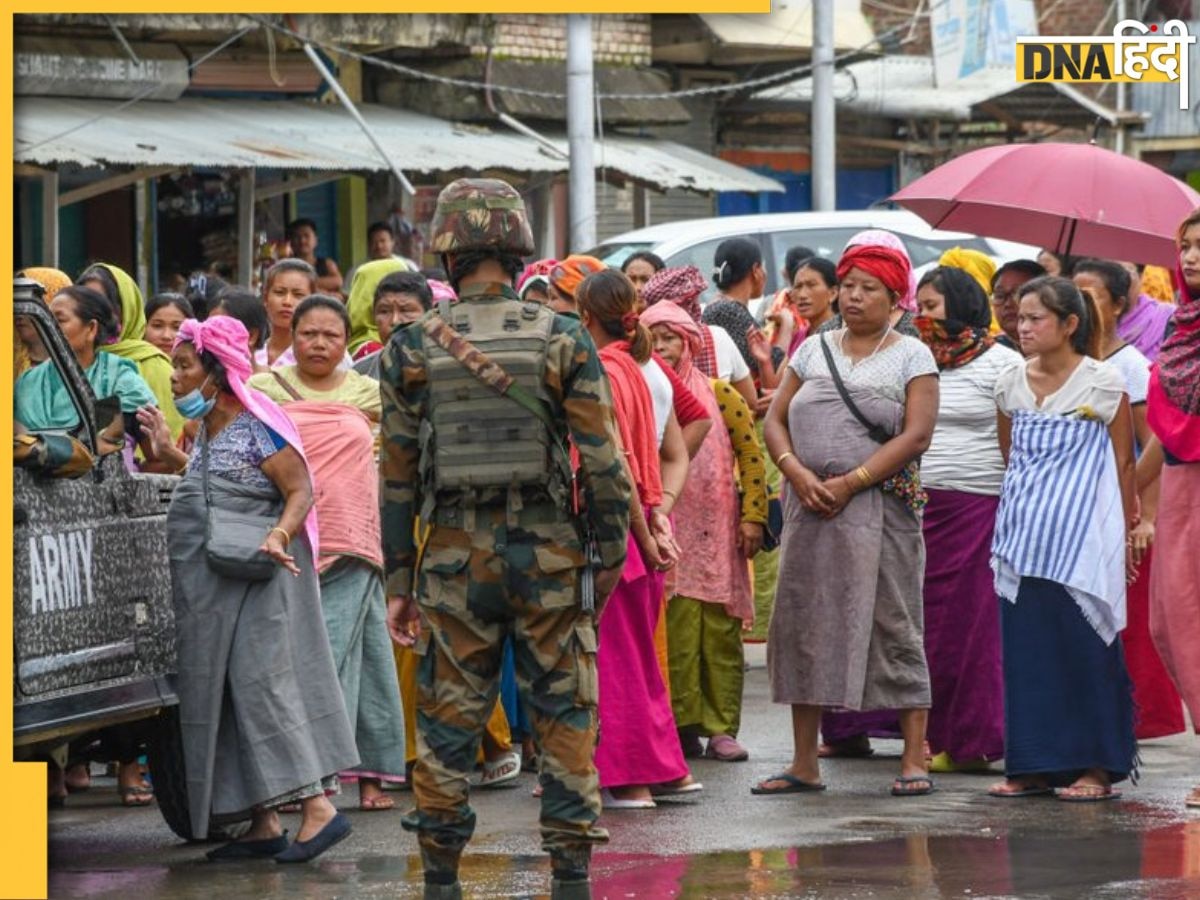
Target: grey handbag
[[232, 539]]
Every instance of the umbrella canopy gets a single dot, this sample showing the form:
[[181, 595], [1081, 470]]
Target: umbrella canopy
[[1070, 198]]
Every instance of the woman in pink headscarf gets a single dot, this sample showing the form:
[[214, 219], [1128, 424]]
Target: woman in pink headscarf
[[262, 714], [712, 599]]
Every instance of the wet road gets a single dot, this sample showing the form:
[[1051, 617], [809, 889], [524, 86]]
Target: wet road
[[854, 841]]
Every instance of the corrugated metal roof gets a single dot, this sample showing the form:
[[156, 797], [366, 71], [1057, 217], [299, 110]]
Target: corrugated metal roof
[[902, 87], [309, 136]]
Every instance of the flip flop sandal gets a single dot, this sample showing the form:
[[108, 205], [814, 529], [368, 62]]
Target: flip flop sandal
[[901, 786], [502, 771], [1089, 794], [793, 785], [135, 796], [610, 802], [376, 804], [673, 790], [1024, 792]]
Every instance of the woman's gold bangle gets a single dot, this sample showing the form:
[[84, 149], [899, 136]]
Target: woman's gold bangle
[[864, 476], [782, 457], [287, 538]]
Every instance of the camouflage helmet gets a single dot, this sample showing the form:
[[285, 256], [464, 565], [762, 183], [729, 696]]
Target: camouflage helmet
[[473, 213]]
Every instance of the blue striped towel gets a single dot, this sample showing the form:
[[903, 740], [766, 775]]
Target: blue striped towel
[[1061, 516]]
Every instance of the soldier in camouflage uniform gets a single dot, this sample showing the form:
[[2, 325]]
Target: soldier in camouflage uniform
[[505, 554]]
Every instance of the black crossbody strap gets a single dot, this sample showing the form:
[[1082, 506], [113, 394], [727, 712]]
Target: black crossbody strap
[[874, 432]]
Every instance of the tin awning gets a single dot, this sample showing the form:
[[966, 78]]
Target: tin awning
[[308, 136]]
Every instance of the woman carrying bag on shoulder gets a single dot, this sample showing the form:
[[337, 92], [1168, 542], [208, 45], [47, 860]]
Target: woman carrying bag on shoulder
[[264, 722]]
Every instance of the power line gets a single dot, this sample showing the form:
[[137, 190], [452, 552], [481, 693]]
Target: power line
[[763, 81]]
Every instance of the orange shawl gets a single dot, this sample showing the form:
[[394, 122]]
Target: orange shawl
[[635, 417]]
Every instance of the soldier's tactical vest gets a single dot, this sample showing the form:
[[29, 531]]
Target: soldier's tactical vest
[[476, 440]]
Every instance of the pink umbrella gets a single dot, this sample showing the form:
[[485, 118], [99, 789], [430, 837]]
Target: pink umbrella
[[1070, 198]]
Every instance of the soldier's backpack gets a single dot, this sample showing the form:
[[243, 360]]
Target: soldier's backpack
[[488, 425]]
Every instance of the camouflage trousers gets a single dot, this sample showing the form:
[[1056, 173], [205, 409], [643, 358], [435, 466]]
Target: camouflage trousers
[[474, 589]]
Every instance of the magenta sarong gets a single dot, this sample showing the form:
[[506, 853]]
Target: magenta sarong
[[638, 742]]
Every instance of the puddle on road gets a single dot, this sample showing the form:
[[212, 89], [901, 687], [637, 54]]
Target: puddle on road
[[1156, 864]]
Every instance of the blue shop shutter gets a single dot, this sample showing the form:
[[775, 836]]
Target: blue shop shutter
[[856, 189], [320, 204]]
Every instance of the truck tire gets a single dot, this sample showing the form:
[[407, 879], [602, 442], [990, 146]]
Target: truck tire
[[165, 757]]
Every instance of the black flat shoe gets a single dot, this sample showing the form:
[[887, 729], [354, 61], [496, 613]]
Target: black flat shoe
[[236, 850], [337, 829]]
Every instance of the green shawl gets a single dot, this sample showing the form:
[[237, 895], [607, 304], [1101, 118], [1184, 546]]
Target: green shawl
[[361, 304], [151, 362]]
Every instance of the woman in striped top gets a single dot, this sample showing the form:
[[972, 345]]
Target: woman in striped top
[[1061, 553]]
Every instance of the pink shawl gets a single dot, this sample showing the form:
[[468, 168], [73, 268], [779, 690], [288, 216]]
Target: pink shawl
[[341, 452], [707, 514], [227, 339]]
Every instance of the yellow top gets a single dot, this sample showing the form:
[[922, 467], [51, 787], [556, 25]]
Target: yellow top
[[739, 422], [355, 390]]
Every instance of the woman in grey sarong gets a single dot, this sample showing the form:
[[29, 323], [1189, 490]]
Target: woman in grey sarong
[[847, 629], [262, 714]]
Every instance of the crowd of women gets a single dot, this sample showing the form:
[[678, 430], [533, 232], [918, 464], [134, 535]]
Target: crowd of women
[[963, 502]]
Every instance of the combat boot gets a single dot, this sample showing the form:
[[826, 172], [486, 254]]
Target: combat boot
[[441, 872], [436, 891], [570, 888]]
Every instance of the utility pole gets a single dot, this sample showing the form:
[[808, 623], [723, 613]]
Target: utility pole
[[581, 124], [1122, 87], [823, 123]]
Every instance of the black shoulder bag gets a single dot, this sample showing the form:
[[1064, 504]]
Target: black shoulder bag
[[232, 539], [877, 433]]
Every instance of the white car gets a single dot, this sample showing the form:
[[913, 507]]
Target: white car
[[694, 242]]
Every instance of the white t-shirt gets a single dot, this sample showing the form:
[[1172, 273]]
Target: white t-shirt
[[964, 454], [661, 394], [1135, 369], [1093, 384], [731, 366]]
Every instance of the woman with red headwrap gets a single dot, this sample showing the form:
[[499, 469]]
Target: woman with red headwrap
[[905, 309], [717, 534], [856, 408], [264, 722], [1173, 411]]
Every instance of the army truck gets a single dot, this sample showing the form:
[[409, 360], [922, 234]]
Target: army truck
[[93, 619]]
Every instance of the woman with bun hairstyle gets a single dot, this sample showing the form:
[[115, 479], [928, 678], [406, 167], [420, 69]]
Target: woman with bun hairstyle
[[640, 754], [739, 275]]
